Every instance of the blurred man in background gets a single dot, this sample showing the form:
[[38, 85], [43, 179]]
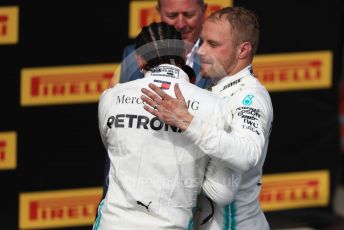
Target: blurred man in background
[[187, 16]]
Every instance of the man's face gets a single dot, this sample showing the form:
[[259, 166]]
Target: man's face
[[186, 16], [218, 52]]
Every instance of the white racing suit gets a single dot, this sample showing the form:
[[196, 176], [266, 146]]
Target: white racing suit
[[155, 173], [240, 151]]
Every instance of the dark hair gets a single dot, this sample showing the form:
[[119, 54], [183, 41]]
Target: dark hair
[[160, 43], [190, 72], [244, 24]]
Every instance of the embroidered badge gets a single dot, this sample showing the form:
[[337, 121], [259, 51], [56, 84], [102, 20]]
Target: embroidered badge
[[247, 100]]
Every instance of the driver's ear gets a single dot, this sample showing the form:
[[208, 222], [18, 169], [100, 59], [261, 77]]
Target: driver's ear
[[245, 49]]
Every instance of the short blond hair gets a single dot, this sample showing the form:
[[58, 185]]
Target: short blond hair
[[244, 24]]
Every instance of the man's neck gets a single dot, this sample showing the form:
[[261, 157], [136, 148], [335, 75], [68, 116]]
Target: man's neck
[[215, 81]]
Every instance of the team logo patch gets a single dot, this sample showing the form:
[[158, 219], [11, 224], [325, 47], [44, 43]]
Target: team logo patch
[[163, 84], [247, 100]]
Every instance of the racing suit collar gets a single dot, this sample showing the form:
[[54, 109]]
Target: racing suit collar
[[167, 70], [228, 81]]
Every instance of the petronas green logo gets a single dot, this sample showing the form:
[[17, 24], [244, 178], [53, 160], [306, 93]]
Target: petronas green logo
[[248, 100]]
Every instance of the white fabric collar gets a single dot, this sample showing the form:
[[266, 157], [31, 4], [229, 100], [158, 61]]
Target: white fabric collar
[[228, 81]]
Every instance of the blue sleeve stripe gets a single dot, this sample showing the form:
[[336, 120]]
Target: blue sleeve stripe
[[191, 222], [97, 222], [226, 218], [233, 214], [229, 213]]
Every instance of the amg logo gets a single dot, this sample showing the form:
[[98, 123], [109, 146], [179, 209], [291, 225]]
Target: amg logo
[[139, 122], [194, 105]]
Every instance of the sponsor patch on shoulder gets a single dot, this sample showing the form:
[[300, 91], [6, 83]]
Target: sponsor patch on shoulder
[[163, 84], [247, 100]]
